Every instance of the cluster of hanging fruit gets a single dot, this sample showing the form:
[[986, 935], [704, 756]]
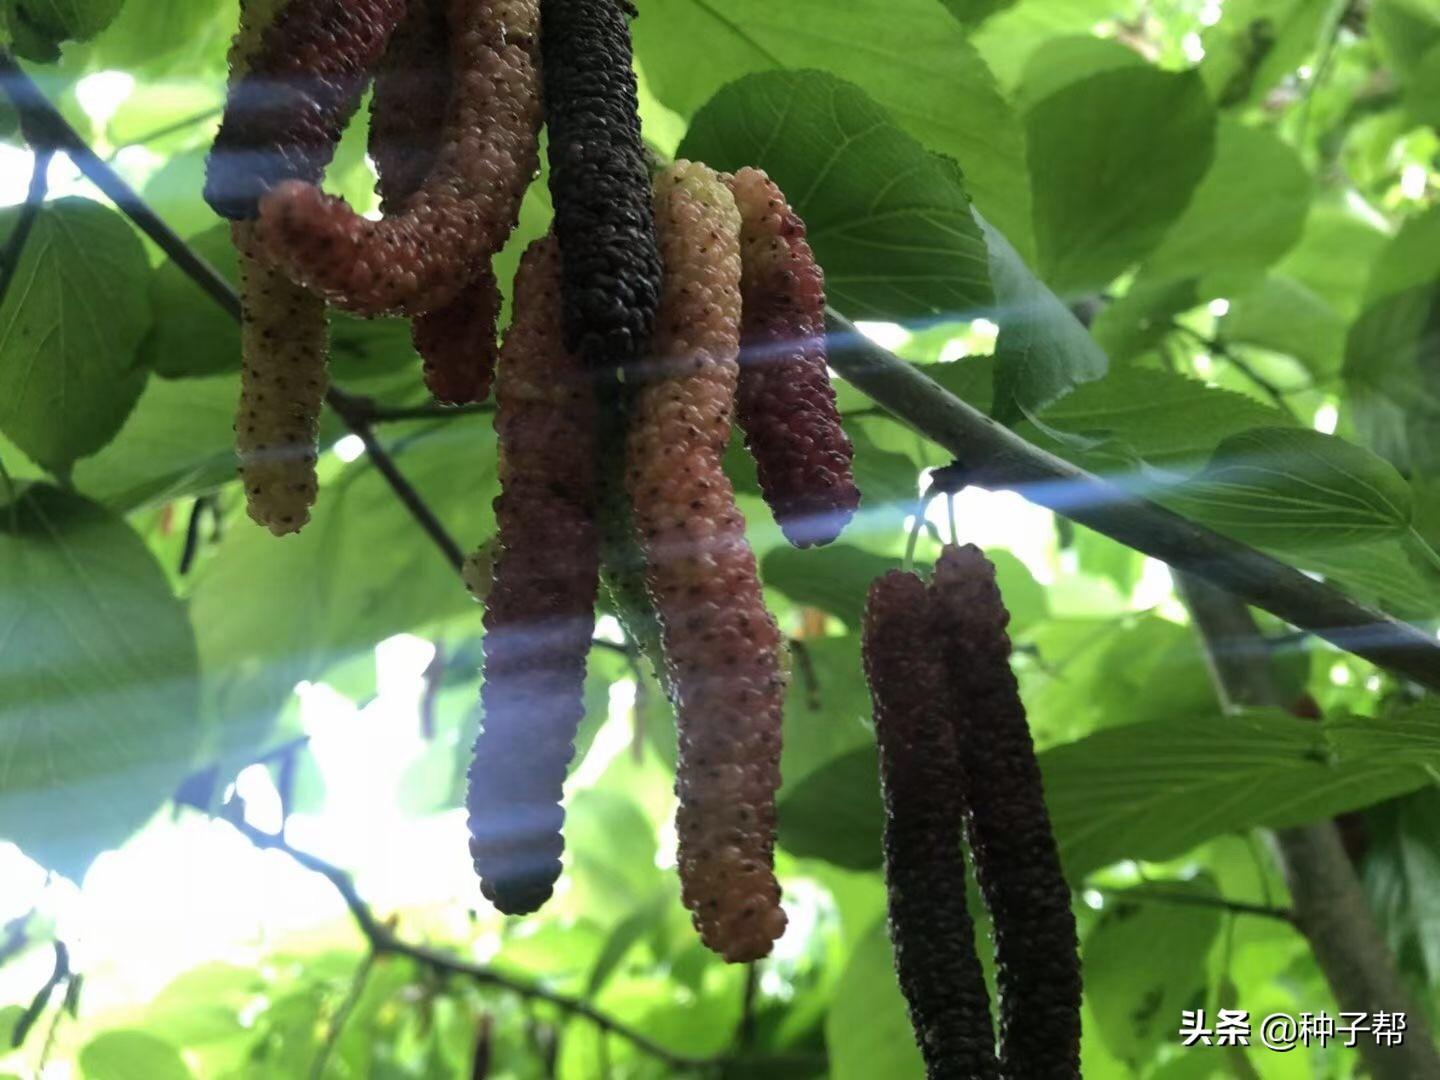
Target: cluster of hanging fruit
[[617, 383], [955, 751], [658, 310]]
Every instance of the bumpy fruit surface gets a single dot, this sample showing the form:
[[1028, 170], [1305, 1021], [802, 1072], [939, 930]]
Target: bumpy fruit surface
[[457, 342], [284, 346], [930, 926], [1016, 861], [420, 257], [300, 87], [786, 403], [721, 644], [598, 180], [409, 103], [539, 615]]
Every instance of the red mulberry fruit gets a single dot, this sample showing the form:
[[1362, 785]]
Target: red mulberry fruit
[[598, 180], [285, 115], [1016, 861], [539, 615], [420, 257], [930, 925], [722, 647], [411, 98], [457, 341], [786, 403]]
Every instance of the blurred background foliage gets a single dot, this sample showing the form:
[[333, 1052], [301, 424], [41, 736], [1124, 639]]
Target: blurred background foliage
[[1206, 261]]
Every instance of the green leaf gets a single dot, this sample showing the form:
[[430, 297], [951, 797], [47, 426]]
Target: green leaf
[[827, 706], [1115, 158], [38, 27], [1135, 1001], [131, 1055], [1402, 879], [915, 62], [1422, 95], [1141, 319], [1042, 350], [1256, 45], [890, 222], [1405, 30], [1334, 255], [270, 612], [833, 578], [867, 1031], [1247, 211], [1064, 60], [100, 681], [1157, 789], [1167, 419], [974, 12], [1280, 314], [1153, 791], [1291, 488], [835, 812], [148, 31], [70, 323]]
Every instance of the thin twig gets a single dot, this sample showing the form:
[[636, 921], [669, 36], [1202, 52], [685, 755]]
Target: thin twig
[[42, 997], [167, 129], [1219, 348], [998, 458], [1235, 907], [342, 1014], [29, 212], [384, 941]]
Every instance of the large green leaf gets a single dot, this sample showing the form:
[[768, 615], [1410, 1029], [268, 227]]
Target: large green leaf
[[1067, 59], [100, 683], [1115, 158], [270, 612], [1136, 1002], [1280, 314], [867, 1031], [1042, 350], [889, 221], [38, 27], [1166, 419], [1334, 255], [1155, 790], [70, 323], [1292, 488], [1247, 211], [1256, 45], [131, 1055], [833, 579], [912, 58], [1402, 878]]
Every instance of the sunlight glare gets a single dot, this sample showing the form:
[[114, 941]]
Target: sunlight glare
[[1192, 47], [1219, 308], [102, 94], [1326, 417], [1413, 181], [888, 335], [350, 448]]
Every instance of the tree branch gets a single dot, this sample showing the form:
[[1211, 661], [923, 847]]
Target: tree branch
[[996, 457], [15, 243], [384, 941], [1330, 906], [1166, 896]]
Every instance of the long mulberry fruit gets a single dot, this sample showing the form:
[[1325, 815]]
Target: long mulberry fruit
[[422, 256], [539, 615], [930, 925], [599, 182], [284, 345], [285, 115], [786, 403], [721, 645], [409, 103], [1016, 861], [457, 342]]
